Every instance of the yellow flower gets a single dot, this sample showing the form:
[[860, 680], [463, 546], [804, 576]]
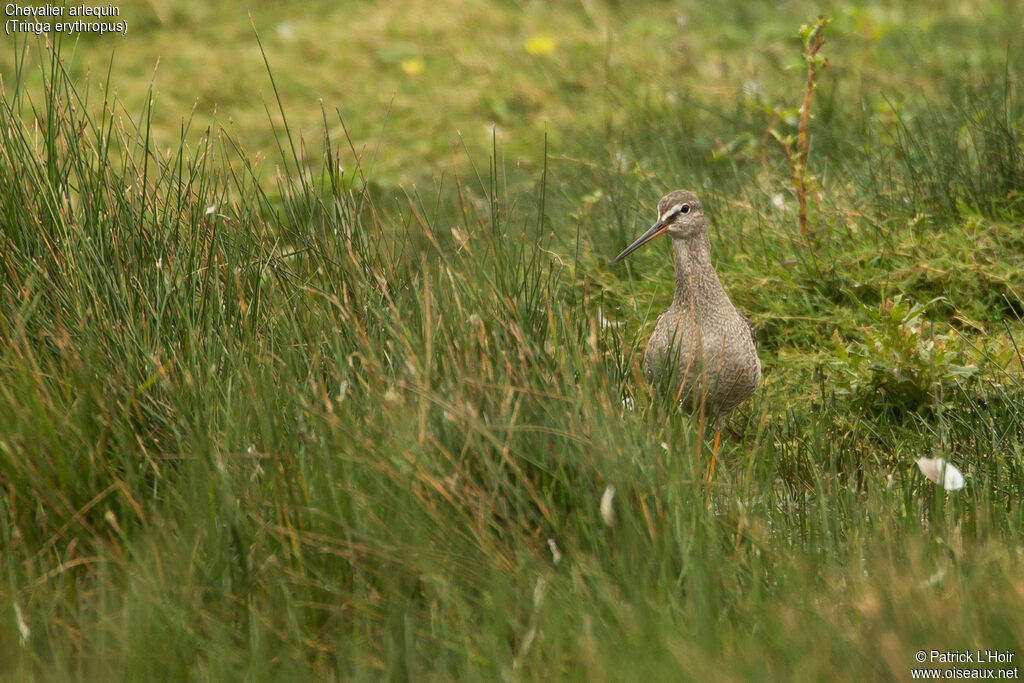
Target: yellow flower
[[412, 66], [540, 45]]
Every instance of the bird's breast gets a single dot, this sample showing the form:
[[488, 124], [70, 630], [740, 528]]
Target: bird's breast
[[714, 351]]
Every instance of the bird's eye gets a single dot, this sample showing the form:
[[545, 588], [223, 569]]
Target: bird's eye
[[685, 208]]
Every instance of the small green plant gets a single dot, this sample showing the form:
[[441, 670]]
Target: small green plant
[[797, 147], [901, 364]]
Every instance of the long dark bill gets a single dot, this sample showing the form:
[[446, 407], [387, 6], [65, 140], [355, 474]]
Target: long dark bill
[[657, 229]]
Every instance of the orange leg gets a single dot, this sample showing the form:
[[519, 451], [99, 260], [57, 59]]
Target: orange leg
[[714, 452], [711, 469]]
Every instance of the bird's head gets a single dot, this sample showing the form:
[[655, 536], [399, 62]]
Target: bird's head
[[680, 214]]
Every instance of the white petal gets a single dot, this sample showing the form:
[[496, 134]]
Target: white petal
[[935, 579], [941, 472], [607, 511], [556, 554], [604, 322], [23, 629], [538, 591], [524, 649], [953, 479], [929, 468]]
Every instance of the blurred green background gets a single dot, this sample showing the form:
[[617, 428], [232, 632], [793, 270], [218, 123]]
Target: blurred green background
[[418, 78]]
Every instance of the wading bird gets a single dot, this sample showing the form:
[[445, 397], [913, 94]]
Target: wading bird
[[701, 340]]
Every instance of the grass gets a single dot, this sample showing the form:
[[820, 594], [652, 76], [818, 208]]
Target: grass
[[267, 414]]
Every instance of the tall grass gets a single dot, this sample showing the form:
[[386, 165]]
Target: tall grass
[[286, 428]]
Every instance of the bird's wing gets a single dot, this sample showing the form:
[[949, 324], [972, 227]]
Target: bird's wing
[[750, 326]]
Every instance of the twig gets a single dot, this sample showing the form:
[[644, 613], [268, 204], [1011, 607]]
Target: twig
[[814, 39]]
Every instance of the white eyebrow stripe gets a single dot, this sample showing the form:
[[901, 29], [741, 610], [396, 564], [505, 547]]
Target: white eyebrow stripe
[[678, 208]]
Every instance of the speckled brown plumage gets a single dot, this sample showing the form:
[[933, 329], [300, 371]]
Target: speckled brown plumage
[[701, 338]]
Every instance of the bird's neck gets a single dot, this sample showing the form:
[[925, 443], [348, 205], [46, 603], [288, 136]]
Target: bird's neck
[[697, 284]]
